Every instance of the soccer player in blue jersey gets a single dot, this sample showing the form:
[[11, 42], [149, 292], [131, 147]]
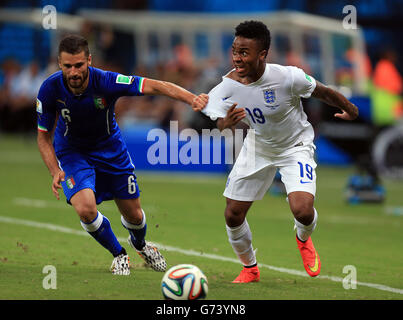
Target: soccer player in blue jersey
[[81, 144]]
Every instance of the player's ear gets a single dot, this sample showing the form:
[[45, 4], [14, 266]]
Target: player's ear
[[89, 59], [263, 54], [58, 62]]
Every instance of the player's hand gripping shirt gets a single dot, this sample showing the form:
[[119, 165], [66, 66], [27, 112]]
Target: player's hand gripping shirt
[[272, 104], [86, 121]]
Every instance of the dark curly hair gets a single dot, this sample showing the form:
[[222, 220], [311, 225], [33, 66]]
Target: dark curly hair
[[254, 30], [74, 44]]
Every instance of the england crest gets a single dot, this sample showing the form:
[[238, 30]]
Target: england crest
[[269, 96]]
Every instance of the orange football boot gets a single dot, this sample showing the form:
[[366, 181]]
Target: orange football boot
[[310, 257], [248, 275]]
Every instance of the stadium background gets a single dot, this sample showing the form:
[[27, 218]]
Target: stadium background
[[188, 42]]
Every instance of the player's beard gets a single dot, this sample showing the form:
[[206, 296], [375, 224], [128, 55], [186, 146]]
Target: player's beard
[[77, 82]]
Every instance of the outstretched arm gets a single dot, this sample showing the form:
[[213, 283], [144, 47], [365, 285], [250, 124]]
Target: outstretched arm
[[157, 87], [335, 99]]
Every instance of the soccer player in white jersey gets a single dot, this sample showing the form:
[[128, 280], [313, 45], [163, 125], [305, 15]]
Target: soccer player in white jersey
[[267, 98]]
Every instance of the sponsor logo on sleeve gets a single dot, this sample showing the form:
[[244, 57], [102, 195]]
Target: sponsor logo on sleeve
[[38, 106], [124, 79]]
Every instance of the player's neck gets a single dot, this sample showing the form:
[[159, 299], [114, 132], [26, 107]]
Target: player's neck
[[251, 77]]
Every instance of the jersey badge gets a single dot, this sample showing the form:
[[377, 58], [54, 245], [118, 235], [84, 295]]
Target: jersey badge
[[38, 106], [124, 79], [100, 102], [269, 95], [70, 182]]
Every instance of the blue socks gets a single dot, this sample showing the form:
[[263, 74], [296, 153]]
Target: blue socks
[[100, 229], [137, 232]]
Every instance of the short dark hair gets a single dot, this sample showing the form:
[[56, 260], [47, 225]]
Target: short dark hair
[[74, 44], [254, 30]]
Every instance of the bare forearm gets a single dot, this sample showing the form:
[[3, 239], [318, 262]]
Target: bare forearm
[[169, 89], [335, 99], [47, 152]]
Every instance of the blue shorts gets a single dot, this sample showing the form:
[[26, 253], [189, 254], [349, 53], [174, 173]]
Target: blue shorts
[[109, 173]]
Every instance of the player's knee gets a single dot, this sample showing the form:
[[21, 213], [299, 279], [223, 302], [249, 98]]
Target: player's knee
[[303, 212], [135, 216], [234, 215], [86, 211]]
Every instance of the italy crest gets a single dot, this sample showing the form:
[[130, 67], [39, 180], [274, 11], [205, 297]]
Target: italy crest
[[100, 102]]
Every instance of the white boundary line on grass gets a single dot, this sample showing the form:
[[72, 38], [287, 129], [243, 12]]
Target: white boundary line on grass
[[62, 229]]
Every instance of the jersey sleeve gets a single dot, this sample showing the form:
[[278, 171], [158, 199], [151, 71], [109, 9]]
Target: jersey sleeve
[[45, 108], [218, 103], [122, 85], [302, 84]]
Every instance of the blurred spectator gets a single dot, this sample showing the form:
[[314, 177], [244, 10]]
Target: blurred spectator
[[19, 96], [52, 66], [106, 44], [384, 88], [111, 49], [386, 75], [159, 111], [116, 49], [294, 59], [387, 89], [362, 61], [90, 32], [208, 77], [10, 69], [24, 87], [345, 74]]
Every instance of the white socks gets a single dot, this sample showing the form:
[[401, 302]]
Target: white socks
[[94, 224], [132, 226], [304, 231], [240, 239], [137, 231]]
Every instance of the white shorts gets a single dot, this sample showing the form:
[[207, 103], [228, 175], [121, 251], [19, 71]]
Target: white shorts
[[253, 174]]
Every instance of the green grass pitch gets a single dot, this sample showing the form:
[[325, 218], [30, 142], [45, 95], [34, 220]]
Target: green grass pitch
[[185, 216]]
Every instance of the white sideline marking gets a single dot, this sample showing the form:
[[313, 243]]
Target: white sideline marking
[[57, 228], [39, 203]]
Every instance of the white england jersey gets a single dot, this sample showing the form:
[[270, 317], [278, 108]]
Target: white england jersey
[[273, 107]]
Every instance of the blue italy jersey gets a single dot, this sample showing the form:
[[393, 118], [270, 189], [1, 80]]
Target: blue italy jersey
[[86, 121], [87, 141]]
